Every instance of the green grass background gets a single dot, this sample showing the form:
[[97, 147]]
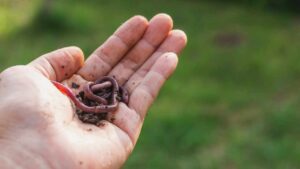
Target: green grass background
[[228, 105]]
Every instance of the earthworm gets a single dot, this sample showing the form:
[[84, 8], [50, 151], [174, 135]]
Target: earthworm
[[90, 95], [115, 87], [95, 88], [90, 90], [124, 95], [75, 100]]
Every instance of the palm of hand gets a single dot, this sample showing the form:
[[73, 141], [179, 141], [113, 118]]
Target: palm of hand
[[135, 55]]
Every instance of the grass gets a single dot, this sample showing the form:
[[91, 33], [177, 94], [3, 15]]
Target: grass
[[234, 99]]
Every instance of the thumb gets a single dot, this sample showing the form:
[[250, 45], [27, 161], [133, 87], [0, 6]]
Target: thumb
[[59, 64]]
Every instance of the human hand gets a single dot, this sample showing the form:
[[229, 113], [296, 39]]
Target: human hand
[[38, 125]]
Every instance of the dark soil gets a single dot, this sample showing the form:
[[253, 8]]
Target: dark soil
[[91, 118], [87, 117], [75, 85]]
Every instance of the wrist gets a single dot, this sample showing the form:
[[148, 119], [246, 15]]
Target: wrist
[[31, 150], [19, 156]]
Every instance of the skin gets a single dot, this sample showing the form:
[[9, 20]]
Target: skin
[[38, 128]]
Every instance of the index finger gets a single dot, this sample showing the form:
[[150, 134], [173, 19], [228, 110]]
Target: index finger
[[60, 64], [103, 59]]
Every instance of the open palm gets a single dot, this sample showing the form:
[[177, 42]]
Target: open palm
[[38, 122]]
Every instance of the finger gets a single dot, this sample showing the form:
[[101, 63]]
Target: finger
[[130, 119], [175, 42], [107, 55], [158, 29], [60, 64]]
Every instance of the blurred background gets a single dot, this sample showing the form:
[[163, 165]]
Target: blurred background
[[234, 99]]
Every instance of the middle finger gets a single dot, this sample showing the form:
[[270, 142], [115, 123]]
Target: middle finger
[[158, 29], [103, 59]]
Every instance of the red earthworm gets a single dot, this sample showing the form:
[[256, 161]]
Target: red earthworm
[[124, 95], [101, 96], [90, 95], [115, 88], [96, 87], [96, 109]]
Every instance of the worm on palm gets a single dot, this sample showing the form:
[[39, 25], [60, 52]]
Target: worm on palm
[[104, 93]]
